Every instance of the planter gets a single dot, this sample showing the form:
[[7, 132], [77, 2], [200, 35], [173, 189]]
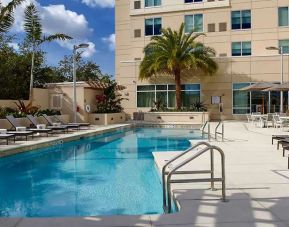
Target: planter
[[107, 119], [197, 118]]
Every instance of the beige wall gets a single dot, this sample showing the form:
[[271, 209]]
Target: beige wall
[[263, 65], [40, 99]]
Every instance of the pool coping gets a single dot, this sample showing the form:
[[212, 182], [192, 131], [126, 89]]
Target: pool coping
[[44, 142]]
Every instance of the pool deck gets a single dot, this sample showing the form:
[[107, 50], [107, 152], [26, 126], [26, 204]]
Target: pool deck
[[257, 190]]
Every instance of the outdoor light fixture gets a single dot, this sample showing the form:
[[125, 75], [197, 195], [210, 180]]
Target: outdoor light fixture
[[74, 106]]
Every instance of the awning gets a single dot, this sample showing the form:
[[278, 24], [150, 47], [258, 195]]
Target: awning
[[278, 87], [258, 86]]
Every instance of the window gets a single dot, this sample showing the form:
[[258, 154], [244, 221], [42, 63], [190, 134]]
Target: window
[[241, 48], [285, 45], [241, 19], [191, 1], [151, 3], [211, 27], [147, 94], [137, 4], [283, 16], [194, 23], [153, 26], [137, 33], [222, 27]]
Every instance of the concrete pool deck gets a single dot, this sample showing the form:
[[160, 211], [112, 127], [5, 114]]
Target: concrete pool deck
[[257, 190]]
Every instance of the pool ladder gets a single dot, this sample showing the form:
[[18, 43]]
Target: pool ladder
[[208, 125], [170, 170]]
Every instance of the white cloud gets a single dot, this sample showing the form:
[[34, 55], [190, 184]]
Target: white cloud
[[15, 46], [110, 40], [58, 19], [99, 3]]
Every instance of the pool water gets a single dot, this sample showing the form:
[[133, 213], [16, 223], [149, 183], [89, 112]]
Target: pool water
[[110, 174]]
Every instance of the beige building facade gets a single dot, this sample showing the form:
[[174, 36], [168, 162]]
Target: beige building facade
[[239, 31]]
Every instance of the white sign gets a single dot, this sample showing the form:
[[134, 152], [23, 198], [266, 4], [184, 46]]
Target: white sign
[[216, 99]]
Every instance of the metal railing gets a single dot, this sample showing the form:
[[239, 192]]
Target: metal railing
[[222, 133], [167, 174], [203, 130]]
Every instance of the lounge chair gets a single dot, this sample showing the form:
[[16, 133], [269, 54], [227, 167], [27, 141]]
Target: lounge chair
[[7, 137], [51, 123], [34, 122], [83, 124], [14, 122]]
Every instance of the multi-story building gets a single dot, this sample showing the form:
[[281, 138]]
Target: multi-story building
[[239, 30]]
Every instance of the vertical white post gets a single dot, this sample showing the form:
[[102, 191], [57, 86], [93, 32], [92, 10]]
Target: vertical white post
[[74, 86], [282, 72]]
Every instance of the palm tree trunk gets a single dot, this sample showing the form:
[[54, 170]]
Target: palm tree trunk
[[177, 74], [32, 76]]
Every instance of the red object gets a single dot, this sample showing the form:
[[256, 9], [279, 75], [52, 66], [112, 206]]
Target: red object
[[77, 109]]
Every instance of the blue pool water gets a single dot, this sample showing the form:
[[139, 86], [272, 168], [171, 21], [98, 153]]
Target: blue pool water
[[110, 174]]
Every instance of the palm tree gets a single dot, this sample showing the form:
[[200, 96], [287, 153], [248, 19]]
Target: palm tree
[[33, 28], [174, 52], [6, 14]]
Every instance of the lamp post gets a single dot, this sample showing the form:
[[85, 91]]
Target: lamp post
[[280, 49], [75, 48]]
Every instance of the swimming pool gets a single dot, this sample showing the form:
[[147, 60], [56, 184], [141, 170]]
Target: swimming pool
[[109, 174]]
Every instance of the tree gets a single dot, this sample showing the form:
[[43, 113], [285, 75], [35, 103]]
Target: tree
[[85, 70], [6, 15], [33, 28], [174, 52]]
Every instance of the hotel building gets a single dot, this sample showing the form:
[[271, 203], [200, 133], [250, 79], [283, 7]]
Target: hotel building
[[240, 31]]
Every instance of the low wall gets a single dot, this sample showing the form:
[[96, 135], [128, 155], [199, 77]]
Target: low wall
[[177, 117], [5, 124], [107, 119]]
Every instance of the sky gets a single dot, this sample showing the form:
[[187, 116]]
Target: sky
[[87, 21]]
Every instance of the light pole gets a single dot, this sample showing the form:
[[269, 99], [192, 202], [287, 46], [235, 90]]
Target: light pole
[[280, 49], [75, 48]]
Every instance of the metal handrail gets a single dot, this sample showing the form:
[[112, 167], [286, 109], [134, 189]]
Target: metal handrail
[[172, 160], [167, 188], [222, 133], [209, 130]]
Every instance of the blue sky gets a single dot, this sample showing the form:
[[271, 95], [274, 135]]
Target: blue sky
[[90, 21]]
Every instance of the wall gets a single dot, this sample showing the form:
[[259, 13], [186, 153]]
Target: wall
[[41, 99], [90, 99], [263, 65], [107, 119]]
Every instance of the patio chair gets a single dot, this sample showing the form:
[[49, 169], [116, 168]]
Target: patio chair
[[249, 118], [51, 123], [268, 120], [278, 123], [7, 137], [279, 137], [14, 122], [83, 124], [34, 122]]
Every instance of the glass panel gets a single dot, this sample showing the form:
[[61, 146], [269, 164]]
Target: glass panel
[[240, 85], [246, 19], [283, 16], [259, 101], [149, 3], [149, 27], [162, 96], [190, 97], [145, 99], [172, 99], [236, 20], [246, 48], [189, 23], [285, 45], [275, 102], [192, 87], [198, 22], [161, 87], [172, 87], [146, 88], [236, 49], [157, 26], [157, 2]]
